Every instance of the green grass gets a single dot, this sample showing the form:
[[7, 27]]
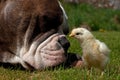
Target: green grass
[[111, 38], [96, 18]]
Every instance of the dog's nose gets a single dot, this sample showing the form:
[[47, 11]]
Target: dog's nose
[[64, 42]]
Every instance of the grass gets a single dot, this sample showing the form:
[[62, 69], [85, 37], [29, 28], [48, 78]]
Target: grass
[[97, 19], [111, 38]]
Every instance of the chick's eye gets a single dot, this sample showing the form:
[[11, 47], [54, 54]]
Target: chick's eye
[[78, 33]]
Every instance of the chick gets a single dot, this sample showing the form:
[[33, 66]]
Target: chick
[[95, 53]]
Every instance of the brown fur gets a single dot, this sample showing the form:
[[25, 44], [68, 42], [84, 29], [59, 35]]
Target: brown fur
[[24, 26], [22, 20], [27, 13]]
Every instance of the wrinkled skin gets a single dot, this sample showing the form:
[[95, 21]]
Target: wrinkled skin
[[32, 33]]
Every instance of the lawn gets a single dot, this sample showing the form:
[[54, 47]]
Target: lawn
[[111, 38], [97, 19]]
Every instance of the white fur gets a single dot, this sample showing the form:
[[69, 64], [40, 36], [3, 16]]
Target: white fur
[[64, 13], [64, 26]]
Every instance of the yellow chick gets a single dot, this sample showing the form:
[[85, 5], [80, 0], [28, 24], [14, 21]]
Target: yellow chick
[[95, 53]]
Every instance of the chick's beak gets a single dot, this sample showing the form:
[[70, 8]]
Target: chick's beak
[[71, 35]]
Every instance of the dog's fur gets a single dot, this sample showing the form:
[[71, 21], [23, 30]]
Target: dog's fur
[[95, 53], [32, 34]]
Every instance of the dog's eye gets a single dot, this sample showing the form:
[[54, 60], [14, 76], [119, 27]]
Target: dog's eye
[[79, 33]]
